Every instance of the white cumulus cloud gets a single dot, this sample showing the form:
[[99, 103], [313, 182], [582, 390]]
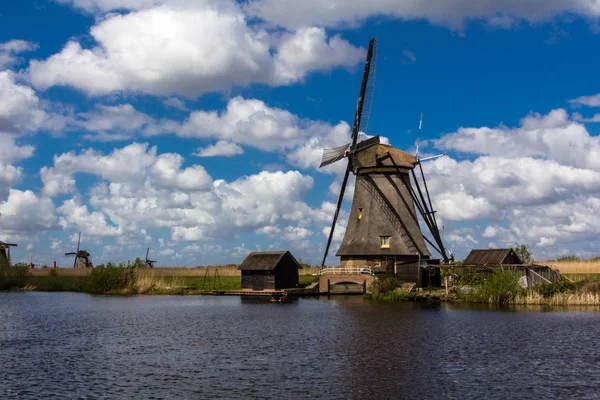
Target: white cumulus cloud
[[200, 47], [503, 13], [222, 148]]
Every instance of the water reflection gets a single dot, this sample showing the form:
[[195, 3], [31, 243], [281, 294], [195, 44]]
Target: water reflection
[[67, 345]]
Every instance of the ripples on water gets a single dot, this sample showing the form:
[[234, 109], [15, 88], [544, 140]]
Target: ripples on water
[[67, 345]]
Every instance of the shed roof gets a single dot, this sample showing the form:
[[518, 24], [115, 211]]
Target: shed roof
[[490, 256], [265, 260]]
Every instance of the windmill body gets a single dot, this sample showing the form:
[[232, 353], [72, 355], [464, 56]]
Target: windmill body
[[5, 250], [82, 259], [383, 229]]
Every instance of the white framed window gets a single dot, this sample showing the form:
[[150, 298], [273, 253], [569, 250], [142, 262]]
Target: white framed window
[[385, 242]]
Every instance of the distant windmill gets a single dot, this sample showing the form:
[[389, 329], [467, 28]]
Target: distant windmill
[[31, 263], [383, 229], [148, 263], [82, 257]]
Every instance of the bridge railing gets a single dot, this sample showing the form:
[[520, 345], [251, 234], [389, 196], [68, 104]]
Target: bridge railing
[[347, 270]]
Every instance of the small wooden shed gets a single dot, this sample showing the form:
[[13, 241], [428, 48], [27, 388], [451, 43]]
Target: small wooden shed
[[492, 257], [270, 270]]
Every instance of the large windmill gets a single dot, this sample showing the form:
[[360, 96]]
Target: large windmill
[[82, 257], [383, 229]]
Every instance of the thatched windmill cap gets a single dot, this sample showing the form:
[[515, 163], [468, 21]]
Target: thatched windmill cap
[[367, 157]]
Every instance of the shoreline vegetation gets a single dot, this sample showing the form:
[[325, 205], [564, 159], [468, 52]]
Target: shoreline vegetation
[[581, 286], [501, 287], [128, 278]]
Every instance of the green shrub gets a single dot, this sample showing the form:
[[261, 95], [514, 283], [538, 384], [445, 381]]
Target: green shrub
[[13, 276], [470, 276], [394, 295], [500, 287], [589, 285], [549, 289], [113, 277], [385, 284]]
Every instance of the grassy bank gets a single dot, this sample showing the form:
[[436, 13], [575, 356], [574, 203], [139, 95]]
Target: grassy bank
[[500, 287], [127, 279], [395, 295], [224, 270]]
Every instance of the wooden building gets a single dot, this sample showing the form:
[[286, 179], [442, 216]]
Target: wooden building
[[271, 270], [486, 261], [492, 257]]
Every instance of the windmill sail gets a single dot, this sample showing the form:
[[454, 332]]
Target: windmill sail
[[369, 90], [355, 131], [369, 64], [334, 154]]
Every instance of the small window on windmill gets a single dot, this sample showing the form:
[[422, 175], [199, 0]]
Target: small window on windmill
[[385, 242], [360, 213]]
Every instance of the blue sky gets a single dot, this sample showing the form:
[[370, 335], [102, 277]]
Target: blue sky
[[195, 128]]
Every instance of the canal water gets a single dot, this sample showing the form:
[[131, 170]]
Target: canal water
[[68, 345]]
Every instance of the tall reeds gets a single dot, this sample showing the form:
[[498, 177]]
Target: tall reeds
[[533, 297], [576, 267], [13, 276], [223, 270]]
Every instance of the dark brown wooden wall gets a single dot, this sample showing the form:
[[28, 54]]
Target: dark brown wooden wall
[[512, 259], [407, 272], [286, 274], [258, 280]]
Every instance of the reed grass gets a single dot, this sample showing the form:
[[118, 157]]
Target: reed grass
[[161, 272], [558, 299], [575, 267], [149, 284]]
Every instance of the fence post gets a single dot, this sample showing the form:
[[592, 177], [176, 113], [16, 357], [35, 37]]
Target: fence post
[[446, 284]]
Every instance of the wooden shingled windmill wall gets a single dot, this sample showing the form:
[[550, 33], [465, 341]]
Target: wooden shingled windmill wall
[[383, 230], [5, 249]]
